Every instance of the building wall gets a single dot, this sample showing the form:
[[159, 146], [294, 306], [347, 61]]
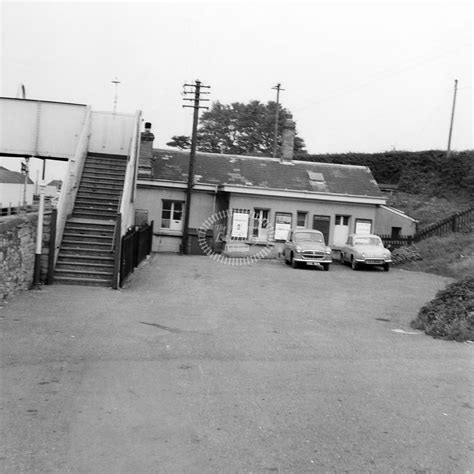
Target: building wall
[[386, 220], [17, 252], [318, 208], [11, 194], [206, 204], [203, 205]]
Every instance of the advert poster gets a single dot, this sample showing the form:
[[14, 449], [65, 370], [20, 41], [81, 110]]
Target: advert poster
[[240, 225], [282, 226]]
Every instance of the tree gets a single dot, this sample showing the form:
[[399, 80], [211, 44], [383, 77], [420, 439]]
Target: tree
[[180, 141], [241, 129]]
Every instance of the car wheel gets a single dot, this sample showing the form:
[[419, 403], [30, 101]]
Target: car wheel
[[386, 267], [326, 267], [294, 263], [354, 264]]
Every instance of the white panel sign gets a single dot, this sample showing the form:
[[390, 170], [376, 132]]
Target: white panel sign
[[282, 226], [240, 225], [363, 227]]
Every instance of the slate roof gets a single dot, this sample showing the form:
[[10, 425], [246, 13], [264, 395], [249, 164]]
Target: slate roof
[[12, 177], [270, 173]]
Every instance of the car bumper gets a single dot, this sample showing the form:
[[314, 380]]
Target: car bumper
[[313, 261], [372, 261]]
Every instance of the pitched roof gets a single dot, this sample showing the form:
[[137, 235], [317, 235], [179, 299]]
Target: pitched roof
[[270, 173], [12, 177], [55, 182]]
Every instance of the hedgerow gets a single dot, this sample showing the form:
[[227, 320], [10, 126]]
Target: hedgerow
[[450, 315], [430, 172]]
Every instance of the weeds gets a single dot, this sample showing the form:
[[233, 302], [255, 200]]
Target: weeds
[[450, 315]]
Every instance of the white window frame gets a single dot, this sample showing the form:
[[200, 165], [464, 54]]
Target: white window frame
[[260, 223], [173, 223], [305, 214]]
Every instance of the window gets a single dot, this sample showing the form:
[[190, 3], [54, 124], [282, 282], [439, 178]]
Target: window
[[301, 219], [342, 220], [260, 224], [172, 215]]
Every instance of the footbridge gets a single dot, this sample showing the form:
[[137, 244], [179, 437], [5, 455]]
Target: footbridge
[[97, 200]]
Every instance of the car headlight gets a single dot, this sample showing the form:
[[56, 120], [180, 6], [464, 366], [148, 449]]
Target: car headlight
[[298, 249], [328, 252], [363, 254]]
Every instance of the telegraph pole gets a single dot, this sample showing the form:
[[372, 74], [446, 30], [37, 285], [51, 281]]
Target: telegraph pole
[[196, 90], [116, 82], [448, 152], [275, 139], [25, 170]]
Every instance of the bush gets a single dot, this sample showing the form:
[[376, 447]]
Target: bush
[[450, 315], [405, 255]]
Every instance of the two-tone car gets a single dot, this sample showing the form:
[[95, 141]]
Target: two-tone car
[[362, 250], [307, 247]]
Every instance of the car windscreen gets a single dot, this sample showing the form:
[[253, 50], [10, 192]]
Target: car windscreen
[[307, 237], [367, 241]]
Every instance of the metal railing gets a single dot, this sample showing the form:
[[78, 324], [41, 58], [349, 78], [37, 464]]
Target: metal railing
[[136, 245], [71, 181]]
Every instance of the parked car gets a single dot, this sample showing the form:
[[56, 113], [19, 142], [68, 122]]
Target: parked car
[[307, 247], [365, 250]]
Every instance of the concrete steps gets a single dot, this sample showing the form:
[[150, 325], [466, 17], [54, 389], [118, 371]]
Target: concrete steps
[[86, 256]]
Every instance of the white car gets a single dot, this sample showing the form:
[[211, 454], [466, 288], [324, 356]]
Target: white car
[[365, 250]]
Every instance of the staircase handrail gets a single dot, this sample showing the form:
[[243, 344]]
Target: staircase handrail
[[71, 181], [127, 208]]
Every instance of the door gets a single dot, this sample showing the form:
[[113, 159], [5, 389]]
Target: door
[[321, 223], [341, 230]]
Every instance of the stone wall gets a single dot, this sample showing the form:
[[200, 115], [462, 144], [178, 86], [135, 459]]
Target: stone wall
[[17, 252]]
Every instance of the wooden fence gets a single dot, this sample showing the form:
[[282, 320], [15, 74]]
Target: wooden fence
[[458, 222]]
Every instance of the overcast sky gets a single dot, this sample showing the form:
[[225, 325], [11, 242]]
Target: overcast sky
[[358, 76]]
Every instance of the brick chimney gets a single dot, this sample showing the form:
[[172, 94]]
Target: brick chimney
[[288, 141], [146, 152]]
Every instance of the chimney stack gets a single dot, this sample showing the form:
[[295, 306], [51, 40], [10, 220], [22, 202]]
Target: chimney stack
[[146, 152], [288, 141]]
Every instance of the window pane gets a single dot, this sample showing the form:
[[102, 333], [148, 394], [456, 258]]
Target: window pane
[[165, 223], [177, 214], [167, 205], [166, 214], [301, 219]]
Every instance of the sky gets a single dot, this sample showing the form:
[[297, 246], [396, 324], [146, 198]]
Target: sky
[[358, 76]]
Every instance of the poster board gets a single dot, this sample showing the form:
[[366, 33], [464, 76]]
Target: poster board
[[240, 224], [282, 225]]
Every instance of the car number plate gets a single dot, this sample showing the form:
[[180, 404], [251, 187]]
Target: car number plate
[[311, 263]]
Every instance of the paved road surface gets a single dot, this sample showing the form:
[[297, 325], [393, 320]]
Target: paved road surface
[[201, 367]]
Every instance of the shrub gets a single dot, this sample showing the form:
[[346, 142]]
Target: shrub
[[405, 255], [450, 315]]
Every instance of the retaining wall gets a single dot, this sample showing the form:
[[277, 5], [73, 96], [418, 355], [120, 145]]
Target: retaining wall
[[17, 252]]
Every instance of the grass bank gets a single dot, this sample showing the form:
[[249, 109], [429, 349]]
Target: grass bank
[[450, 315]]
